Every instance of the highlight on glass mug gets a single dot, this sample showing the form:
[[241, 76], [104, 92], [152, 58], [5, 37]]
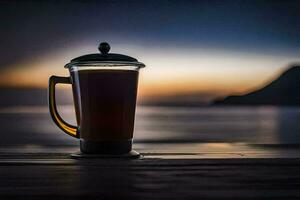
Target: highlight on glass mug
[[104, 89]]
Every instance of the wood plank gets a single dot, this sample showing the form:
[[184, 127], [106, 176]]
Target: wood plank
[[42, 175]]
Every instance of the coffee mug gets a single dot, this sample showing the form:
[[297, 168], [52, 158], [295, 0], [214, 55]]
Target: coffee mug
[[104, 93]]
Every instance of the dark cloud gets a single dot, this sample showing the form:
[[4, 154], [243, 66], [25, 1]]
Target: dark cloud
[[33, 28]]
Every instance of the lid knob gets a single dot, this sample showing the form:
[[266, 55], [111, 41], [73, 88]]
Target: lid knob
[[104, 47]]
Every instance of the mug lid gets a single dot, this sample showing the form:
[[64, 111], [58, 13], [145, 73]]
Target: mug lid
[[105, 59]]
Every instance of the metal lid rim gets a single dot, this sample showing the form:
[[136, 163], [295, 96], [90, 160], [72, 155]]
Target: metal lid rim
[[104, 63]]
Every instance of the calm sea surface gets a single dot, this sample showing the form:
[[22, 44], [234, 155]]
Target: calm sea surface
[[262, 125]]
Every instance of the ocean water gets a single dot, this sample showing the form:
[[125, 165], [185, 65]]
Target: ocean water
[[32, 125]]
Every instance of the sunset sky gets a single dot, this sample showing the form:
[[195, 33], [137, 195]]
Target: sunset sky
[[212, 48]]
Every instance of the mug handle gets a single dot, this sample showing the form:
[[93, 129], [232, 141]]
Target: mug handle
[[67, 128]]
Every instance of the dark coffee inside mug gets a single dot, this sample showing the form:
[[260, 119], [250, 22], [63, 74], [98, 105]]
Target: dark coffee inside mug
[[104, 91]]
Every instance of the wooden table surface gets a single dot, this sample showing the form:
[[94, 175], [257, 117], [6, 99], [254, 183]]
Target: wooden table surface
[[166, 171]]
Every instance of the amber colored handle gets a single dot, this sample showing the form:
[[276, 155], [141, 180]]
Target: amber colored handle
[[67, 128]]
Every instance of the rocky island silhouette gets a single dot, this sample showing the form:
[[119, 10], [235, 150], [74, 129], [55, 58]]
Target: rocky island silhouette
[[285, 90]]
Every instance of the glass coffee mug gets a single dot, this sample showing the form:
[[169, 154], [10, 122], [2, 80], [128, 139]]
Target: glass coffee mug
[[104, 91]]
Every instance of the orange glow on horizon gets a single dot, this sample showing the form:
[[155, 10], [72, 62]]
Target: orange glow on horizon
[[216, 73], [30, 77]]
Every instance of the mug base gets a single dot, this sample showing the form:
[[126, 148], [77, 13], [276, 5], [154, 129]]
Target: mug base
[[131, 155], [105, 147]]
